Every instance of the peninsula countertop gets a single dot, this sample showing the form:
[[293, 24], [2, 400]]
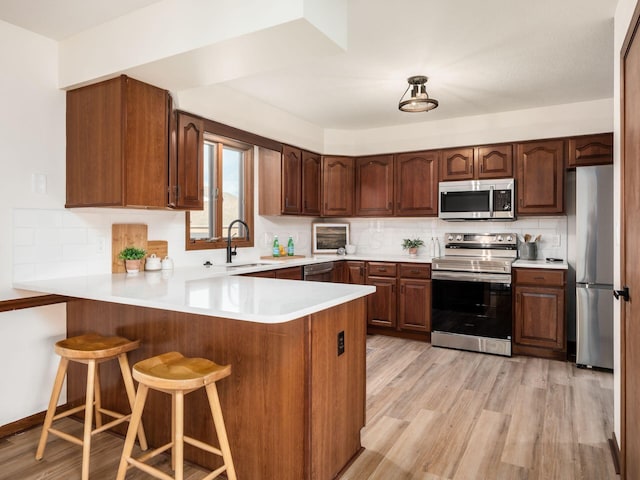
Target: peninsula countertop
[[204, 291]]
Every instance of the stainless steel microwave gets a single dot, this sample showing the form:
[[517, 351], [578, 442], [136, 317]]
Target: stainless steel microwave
[[477, 200]]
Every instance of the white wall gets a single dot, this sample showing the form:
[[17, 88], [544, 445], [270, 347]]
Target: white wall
[[622, 19], [31, 142]]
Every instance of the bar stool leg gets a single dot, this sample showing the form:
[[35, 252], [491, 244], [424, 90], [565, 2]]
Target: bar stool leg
[[173, 431], [221, 431], [97, 397], [134, 423], [131, 395], [88, 419], [178, 439], [53, 403]]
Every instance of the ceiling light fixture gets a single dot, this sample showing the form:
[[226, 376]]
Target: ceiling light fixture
[[419, 100]]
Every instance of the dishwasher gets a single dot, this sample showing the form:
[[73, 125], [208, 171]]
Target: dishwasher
[[319, 272]]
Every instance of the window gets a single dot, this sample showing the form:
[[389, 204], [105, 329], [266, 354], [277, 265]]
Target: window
[[228, 195]]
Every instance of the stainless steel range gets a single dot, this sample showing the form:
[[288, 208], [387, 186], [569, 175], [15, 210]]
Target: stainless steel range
[[471, 296]]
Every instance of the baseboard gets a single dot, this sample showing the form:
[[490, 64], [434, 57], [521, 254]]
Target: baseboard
[[26, 423], [615, 452]]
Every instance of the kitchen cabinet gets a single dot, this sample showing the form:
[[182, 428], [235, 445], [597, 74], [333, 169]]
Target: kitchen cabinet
[[289, 273], [540, 177], [374, 186], [416, 184], [186, 191], [291, 180], [300, 182], [356, 272], [338, 185], [590, 150], [539, 319], [402, 302], [117, 145], [473, 163], [414, 306]]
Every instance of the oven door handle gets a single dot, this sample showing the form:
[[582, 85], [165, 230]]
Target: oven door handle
[[491, 201], [472, 277]]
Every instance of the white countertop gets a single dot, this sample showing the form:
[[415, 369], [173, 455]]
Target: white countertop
[[207, 292], [540, 264]]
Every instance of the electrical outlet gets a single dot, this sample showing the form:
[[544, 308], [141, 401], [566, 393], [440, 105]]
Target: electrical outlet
[[340, 343], [555, 240]]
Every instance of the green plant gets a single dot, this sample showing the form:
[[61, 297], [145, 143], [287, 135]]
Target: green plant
[[411, 243], [132, 253]]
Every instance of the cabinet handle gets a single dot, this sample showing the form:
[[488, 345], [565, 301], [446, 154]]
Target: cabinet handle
[[481, 169], [390, 205], [393, 289], [402, 289], [538, 278], [520, 202], [382, 269], [362, 271], [471, 169]]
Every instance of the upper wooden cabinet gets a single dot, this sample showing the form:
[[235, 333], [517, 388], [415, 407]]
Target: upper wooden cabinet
[[590, 150], [291, 180], [300, 181], [469, 163], [540, 177], [416, 183], [374, 186], [187, 164], [337, 186], [311, 188], [117, 145]]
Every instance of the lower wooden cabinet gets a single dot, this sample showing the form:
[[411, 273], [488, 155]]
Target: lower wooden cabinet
[[539, 318], [402, 302]]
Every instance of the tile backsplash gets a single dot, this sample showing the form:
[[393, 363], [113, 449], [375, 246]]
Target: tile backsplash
[[62, 243]]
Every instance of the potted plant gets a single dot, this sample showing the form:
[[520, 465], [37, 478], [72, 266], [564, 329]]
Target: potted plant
[[412, 244], [132, 257]]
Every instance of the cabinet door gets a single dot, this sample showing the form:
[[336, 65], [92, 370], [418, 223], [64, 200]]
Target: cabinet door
[[291, 273], [540, 317], [374, 186], [494, 161], [189, 188], [291, 180], [540, 177], [356, 272], [415, 305], [591, 150], [337, 186], [416, 183], [381, 305], [311, 168], [456, 164]]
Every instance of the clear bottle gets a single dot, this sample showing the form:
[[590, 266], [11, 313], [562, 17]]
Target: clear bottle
[[432, 248], [437, 248], [290, 247], [276, 246]]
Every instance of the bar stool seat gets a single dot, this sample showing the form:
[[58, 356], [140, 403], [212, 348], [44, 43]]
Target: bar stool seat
[[90, 349], [177, 375]]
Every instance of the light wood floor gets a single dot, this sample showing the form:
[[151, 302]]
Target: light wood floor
[[435, 413], [432, 414]]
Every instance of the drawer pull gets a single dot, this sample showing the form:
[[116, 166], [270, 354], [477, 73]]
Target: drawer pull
[[538, 278], [416, 271], [382, 269]]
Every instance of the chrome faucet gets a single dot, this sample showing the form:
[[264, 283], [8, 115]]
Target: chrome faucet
[[229, 252]]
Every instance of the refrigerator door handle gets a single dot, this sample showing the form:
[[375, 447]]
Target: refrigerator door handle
[[624, 293]]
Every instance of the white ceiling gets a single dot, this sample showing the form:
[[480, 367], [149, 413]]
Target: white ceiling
[[480, 56]]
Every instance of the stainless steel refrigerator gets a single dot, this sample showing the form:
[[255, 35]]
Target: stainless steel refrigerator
[[592, 259]]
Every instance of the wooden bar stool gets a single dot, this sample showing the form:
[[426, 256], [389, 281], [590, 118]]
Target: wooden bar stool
[[90, 349], [177, 375]]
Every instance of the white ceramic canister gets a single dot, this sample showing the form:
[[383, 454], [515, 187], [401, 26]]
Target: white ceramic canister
[[152, 263], [167, 263]]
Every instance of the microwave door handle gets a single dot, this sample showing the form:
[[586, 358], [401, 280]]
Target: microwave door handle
[[491, 201]]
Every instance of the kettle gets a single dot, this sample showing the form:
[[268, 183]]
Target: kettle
[[152, 262]]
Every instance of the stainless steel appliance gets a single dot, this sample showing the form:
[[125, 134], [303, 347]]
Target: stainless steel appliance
[[477, 200], [471, 292], [591, 256], [319, 272]]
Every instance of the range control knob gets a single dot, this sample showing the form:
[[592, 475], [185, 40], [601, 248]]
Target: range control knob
[[499, 238], [509, 238], [458, 238], [450, 238]]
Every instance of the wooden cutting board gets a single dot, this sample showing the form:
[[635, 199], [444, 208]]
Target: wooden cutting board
[[126, 235], [159, 247], [286, 257]]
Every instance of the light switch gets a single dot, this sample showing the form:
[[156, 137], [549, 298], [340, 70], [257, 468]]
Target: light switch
[[39, 183]]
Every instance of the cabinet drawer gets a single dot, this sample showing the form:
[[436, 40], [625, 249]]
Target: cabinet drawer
[[539, 277], [415, 270], [381, 269]]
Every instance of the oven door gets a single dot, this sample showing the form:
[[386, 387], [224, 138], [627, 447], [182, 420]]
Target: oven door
[[470, 307]]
